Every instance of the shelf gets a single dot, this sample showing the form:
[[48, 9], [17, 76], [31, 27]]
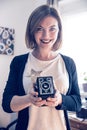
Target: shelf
[[77, 123]]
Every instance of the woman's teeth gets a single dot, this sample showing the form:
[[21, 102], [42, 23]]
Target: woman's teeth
[[45, 42]]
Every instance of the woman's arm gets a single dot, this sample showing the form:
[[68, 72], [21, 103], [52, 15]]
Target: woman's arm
[[14, 97], [21, 102], [72, 100]]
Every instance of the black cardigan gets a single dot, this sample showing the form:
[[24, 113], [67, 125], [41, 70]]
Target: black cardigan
[[14, 86]]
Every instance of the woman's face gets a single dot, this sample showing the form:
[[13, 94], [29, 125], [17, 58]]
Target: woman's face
[[47, 32]]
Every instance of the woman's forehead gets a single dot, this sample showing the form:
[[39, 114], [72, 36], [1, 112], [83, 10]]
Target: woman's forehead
[[48, 21]]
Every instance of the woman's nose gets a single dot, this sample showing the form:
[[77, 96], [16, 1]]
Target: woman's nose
[[46, 34]]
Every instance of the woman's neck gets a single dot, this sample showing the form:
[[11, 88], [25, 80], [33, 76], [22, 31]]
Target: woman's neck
[[44, 55]]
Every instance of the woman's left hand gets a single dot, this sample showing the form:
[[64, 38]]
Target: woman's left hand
[[54, 101]]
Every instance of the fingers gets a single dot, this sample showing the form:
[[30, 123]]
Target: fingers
[[52, 102], [34, 94], [56, 100], [35, 100], [40, 103]]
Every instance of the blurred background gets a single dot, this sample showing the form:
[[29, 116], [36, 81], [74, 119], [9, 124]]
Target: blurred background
[[14, 15]]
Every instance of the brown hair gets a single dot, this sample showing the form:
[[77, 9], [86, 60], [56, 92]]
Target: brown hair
[[35, 18]]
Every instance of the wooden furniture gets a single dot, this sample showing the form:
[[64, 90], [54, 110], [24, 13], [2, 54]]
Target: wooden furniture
[[77, 123]]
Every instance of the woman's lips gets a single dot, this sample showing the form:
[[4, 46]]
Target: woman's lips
[[45, 42]]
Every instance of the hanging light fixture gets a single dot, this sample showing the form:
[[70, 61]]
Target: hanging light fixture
[[53, 3]]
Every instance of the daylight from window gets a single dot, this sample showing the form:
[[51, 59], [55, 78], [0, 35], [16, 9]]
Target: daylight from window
[[75, 40]]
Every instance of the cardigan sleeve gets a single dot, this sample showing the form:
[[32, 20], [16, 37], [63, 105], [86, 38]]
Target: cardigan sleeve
[[72, 100], [11, 87], [14, 84]]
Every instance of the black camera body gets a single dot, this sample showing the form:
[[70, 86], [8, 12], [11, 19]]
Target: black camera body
[[45, 87]]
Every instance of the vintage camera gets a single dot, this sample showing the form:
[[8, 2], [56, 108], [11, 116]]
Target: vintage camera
[[45, 87]]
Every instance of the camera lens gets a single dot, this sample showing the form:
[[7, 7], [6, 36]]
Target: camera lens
[[45, 85]]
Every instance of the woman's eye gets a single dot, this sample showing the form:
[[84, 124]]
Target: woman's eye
[[52, 29], [39, 29]]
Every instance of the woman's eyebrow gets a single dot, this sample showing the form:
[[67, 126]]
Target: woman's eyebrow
[[48, 27]]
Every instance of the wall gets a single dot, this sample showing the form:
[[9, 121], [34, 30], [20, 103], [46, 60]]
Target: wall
[[13, 14]]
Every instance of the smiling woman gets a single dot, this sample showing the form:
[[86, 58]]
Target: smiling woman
[[46, 65]]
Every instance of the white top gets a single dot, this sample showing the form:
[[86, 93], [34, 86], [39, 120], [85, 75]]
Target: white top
[[46, 118]]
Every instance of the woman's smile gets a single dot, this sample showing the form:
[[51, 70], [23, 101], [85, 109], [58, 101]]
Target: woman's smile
[[46, 41]]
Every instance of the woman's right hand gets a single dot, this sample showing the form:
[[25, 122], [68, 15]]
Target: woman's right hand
[[19, 103], [35, 100]]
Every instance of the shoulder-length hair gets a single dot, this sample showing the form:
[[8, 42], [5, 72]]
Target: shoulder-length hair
[[35, 18]]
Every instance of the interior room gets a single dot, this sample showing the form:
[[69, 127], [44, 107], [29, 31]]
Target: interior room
[[14, 16]]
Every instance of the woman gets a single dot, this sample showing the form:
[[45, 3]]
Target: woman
[[44, 38]]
